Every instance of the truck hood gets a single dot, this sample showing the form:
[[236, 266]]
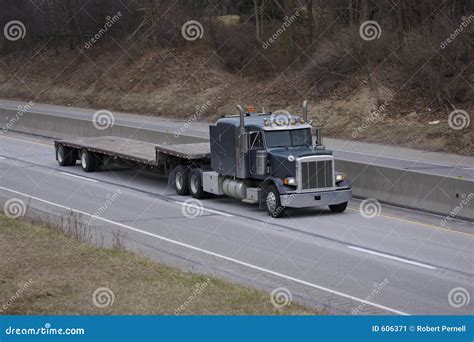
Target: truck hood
[[281, 165]]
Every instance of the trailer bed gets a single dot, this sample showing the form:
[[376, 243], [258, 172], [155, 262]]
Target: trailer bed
[[186, 151], [136, 150]]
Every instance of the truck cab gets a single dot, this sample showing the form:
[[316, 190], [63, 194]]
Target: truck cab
[[271, 159]]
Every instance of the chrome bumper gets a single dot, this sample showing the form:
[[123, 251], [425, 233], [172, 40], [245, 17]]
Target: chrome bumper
[[314, 199]]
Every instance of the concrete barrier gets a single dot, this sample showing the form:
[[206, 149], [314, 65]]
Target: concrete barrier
[[405, 188], [442, 195], [463, 205], [58, 127]]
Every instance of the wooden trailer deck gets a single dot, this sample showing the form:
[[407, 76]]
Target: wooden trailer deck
[[136, 150], [186, 151]]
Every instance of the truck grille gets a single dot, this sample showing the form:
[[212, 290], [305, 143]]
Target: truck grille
[[316, 174]]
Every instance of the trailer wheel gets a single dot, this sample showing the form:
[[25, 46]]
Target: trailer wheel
[[195, 184], [272, 201], [338, 208], [181, 180], [90, 161], [65, 156]]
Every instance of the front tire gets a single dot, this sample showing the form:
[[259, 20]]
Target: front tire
[[338, 208], [272, 202], [181, 180]]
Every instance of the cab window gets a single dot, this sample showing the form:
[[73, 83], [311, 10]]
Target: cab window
[[255, 141]]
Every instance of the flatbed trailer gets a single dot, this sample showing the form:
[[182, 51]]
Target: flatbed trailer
[[93, 152]]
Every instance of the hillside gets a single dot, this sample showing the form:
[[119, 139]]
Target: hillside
[[398, 87], [174, 83]]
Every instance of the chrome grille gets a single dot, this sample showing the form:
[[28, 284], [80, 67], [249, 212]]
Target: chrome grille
[[316, 174]]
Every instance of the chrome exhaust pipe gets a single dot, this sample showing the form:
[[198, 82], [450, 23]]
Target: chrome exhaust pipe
[[241, 168], [241, 113], [305, 110]]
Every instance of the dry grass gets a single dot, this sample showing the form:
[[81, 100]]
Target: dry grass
[[48, 273]]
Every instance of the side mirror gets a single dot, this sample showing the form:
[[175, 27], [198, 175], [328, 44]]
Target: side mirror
[[318, 139]]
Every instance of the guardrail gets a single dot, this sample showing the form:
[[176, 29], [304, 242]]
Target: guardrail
[[448, 196]]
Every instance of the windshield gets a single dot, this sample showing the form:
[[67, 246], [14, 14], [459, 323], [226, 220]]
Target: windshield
[[289, 138]]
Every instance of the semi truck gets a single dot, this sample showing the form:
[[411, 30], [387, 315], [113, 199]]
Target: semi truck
[[276, 160]]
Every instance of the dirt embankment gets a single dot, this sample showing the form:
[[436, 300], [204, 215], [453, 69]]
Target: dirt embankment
[[175, 82]]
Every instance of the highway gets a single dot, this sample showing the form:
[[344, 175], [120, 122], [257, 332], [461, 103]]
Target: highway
[[435, 163], [328, 261]]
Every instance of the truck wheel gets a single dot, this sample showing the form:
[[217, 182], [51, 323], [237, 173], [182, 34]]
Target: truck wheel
[[338, 208], [195, 184], [65, 156], [90, 161], [181, 180], [272, 201]]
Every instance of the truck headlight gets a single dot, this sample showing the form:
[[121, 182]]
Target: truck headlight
[[290, 181], [340, 177]]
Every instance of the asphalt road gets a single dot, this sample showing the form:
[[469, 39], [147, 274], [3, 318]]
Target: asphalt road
[[399, 262], [383, 155]]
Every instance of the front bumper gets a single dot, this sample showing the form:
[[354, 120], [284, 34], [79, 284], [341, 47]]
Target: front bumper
[[314, 199]]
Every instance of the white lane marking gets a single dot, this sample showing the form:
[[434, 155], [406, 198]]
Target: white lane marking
[[80, 177], [465, 167], [392, 257], [2, 157], [258, 268], [202, 208]]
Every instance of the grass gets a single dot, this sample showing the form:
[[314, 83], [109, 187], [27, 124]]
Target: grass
[[45, 272]]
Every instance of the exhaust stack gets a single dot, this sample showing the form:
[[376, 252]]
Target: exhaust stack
[[241, 114], [305, 110], [241, 167]]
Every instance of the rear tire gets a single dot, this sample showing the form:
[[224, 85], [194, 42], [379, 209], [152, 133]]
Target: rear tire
[[272, 201], [65, 156], [181, 180], [338, 208], [195, 184], [90, 161]]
